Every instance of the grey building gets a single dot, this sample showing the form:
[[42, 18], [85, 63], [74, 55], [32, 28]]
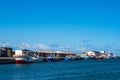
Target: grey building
[[5, 52]]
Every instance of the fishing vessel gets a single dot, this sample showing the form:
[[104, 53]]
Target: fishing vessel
[[52, 58], [37, 58], [70, 58], [23, 56]]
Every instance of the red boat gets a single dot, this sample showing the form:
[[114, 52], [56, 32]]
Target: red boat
[[23, 56], [23, 60]]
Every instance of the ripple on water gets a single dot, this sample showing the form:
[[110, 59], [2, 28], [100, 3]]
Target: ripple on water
[[64, 70]]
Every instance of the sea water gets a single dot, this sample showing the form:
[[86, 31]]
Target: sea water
[[63, 70]]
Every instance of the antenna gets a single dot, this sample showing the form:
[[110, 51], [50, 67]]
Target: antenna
[[81, 47], [22, 45]]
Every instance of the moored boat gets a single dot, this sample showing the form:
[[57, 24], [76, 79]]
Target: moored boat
[[37, 59], [70, 58], [23, 60], [52, 58], [23, 56]]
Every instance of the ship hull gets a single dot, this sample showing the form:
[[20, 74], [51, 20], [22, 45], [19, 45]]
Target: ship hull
[[23, 60]]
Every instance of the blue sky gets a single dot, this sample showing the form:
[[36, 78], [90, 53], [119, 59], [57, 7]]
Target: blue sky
[[61, 24]]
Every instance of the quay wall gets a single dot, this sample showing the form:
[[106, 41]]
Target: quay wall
[[7, 60]]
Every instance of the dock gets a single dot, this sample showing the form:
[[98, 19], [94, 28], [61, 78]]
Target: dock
[[7, 60]]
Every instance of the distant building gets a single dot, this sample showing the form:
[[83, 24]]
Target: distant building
[[102, 51], [91, 53], [58, 54], [82, 55], [5, 52], [95, 54]]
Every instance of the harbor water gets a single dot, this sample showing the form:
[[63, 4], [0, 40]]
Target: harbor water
[[63, 70]]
